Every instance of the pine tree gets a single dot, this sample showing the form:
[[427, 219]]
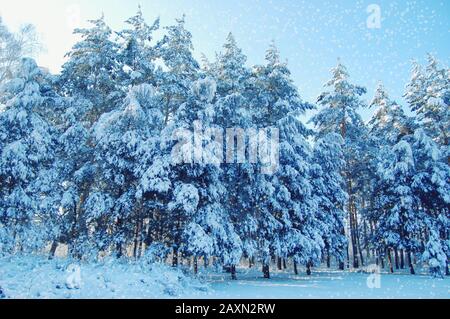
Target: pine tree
[[208, 231], [339, 115], [230, 111], [434, 254], [229, 69], [75, 173], [295, 207], [93, 69], [431, 185], [428, 95], [136, 53], [27, 143], [329, 193], [175, 49], [389, 123], [119, 137], [290, 228], [400, 219]]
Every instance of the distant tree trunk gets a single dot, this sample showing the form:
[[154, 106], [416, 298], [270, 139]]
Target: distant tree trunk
[[341, 262], [396, 258], [366, 239], [352, 222], [348, 257], [402, 259], [140, 249], [410, 264], [284, 264], [341, 265], [53, 249], [279, 263], [119, 248], [266, 270], [328, 257], [195, 265], [119, 252], [447, 272], [358, 242], [308, 268], [391, 267], [372, 227], [136, 238], [233, 272], [250, 264], [175, 257], [295, 268], [205, 261]]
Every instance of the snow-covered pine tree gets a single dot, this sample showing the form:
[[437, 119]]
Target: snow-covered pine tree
[[329, 194], [93, 69], [27, 143], [387, 127], [435, 253], [112, 208], [231, 110], [428, 94], [389, 124], [181, 68], [229, 69], [208, 230], [90, 81], [294, 206], [339, 115], [431, 185], [136, 52], [75, 173], [289, 225], [400, 220]]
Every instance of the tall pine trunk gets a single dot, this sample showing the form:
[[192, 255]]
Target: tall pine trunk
[[53, 249], [391, 267], [396, 259], [279, 263], [195, 265], [266, 270], [410, 263], [308, 268], [175, 257], [233, 272], [402, 259]]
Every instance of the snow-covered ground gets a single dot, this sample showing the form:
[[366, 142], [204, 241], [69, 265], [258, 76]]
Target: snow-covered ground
[[324, 283], [36, 277]]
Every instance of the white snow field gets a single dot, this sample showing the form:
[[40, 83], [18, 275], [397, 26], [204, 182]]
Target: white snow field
[[37, 277], [328, 284]]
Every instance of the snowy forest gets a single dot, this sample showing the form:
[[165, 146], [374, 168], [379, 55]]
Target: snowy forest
[[86, 169]]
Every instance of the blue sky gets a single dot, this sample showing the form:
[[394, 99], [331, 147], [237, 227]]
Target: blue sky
[[311, 35]]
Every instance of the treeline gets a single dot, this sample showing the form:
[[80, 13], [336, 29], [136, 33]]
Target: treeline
[[86, 159]]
